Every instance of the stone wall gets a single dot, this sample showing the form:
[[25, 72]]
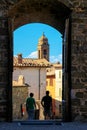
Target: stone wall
[[5, 71], [55, 15], [79, 62], [20, 93]]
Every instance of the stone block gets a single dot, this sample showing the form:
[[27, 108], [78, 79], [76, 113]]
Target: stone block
[[76, 102], [79, 94]]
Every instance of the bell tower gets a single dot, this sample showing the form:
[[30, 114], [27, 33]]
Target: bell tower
[[43, 48]]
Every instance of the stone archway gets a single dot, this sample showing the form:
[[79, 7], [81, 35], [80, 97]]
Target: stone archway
[[55, 13], [25, 12]]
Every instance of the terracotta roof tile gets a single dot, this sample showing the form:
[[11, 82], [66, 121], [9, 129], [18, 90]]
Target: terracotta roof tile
[[31, 62]]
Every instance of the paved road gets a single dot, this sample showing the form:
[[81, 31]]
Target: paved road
[[62, 126]]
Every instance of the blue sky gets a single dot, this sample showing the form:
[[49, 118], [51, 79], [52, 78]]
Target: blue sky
[[26, 40]]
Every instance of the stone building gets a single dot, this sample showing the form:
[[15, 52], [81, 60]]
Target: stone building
[[69, 17], [20, 92]]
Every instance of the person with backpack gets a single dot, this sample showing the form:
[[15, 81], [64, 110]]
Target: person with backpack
[[46, 102], [30, 106]]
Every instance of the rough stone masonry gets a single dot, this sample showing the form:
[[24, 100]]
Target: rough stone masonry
[[69, 17]]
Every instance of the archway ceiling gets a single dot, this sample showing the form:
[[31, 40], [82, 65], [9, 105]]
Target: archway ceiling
[[51, 12]]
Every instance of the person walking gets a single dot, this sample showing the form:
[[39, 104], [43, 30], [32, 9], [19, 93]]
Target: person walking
[[30, 106], [46, 102]]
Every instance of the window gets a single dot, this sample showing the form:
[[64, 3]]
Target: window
[[44, 52], [39, 53]]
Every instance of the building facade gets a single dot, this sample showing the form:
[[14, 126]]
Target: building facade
[[54, 85]]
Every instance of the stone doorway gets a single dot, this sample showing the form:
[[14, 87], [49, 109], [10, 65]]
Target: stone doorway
[[53, 13]]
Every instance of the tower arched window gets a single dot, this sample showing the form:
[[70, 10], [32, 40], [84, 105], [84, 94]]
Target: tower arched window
[[38, 53], [45, 52]]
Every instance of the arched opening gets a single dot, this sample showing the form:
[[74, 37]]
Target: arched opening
[[53, 13], [26, 39]]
